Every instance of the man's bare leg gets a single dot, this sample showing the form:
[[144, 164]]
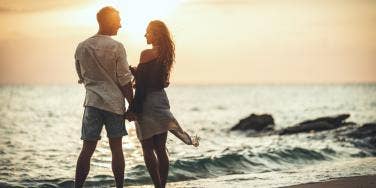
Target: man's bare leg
[[83, 162], [117, 160]]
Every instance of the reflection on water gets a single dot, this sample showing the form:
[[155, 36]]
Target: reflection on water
[[40, 132]]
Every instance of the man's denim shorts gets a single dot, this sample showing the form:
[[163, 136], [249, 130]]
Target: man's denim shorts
[[93, 120]]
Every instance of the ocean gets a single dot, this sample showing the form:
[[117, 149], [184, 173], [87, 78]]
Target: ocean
[[40, 137]]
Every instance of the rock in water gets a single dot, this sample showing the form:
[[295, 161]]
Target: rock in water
[[319, 124], [255, 122], [367, 130], [335, 120]]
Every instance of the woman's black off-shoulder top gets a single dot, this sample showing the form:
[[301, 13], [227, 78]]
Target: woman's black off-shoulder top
[[149, 76]]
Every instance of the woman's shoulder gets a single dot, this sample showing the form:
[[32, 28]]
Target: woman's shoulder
[[148, 55]]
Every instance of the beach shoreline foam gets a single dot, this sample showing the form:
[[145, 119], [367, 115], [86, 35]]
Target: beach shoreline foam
[[304, 177], [367, 181]]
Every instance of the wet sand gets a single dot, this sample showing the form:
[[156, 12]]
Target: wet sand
[[346, 182]]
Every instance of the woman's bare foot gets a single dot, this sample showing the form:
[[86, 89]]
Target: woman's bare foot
[[196, 141]]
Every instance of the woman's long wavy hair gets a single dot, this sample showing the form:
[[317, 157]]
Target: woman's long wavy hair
[[163, 39]]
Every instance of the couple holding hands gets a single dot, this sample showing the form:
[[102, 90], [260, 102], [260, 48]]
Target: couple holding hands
[[102, 66]]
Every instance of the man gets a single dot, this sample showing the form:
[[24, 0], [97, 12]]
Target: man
[[102, 66]]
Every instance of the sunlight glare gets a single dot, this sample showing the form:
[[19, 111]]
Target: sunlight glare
[[135, 14]]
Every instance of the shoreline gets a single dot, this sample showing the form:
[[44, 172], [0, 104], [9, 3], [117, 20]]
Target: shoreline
[[343, 174], [366, 181]]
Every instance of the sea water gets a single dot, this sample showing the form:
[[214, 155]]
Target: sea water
[[40, 130]]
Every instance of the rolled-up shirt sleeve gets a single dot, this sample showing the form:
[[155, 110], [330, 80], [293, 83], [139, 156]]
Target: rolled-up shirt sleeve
[[77, 64], [123, 74]]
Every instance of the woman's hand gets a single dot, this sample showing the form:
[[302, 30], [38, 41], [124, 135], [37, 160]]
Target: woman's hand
[[133, 70], [130, 116]]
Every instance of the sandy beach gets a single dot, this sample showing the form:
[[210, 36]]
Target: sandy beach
[[347, 182]]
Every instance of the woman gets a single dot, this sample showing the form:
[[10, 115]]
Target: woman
[[151, 104]]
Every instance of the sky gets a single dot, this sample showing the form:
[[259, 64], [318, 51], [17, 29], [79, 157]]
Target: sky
[[217, 41]]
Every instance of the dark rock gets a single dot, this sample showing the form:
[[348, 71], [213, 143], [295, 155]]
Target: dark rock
[[335, 120], [308, 127], [319, 124], [363, 137], [264, 122], [367, 130]]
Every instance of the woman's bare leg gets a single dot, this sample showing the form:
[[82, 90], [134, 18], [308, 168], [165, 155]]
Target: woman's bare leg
[[151, 161], [160, 150]]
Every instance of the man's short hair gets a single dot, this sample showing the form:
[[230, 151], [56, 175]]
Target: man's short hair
[[106, 14]]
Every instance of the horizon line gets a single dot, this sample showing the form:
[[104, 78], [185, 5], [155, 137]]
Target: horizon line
[[210, 84]]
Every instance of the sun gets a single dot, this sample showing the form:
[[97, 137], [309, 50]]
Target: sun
[[136, 14]]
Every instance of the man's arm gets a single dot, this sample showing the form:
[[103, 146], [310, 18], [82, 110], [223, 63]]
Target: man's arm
[[124, 78], [123, 74], [127, 92]]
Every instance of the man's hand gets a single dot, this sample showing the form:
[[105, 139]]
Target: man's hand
[[130, 116]]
